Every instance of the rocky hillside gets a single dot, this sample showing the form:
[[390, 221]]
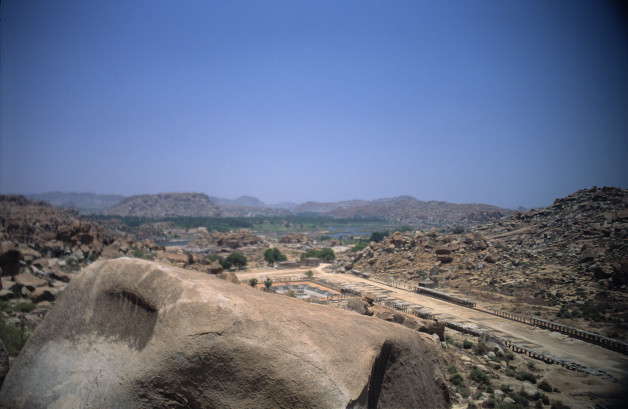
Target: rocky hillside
[[83, 202], [324, 207], [567, 260], [166, 205], [246, 201], [406, 209]]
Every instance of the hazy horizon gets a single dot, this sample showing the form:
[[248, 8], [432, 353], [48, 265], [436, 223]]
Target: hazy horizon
[[275, 202], [504, 103]]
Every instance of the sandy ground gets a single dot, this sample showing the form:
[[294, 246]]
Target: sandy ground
[[548, 342]]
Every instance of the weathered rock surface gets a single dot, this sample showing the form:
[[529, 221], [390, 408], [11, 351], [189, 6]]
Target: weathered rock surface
[[154, 336], [296, 238], [234, 240]]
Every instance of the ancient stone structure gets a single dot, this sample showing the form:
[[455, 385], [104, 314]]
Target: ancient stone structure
[[132, 333]]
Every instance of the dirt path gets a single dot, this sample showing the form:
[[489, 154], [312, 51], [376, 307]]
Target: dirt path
[[551, 343]]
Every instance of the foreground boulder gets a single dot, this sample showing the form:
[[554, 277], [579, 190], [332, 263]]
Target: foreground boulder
[[130, 333]]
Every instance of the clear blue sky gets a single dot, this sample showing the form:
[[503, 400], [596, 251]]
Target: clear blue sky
[[502, 102]]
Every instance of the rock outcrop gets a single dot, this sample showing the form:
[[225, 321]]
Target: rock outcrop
[[152, 336], [295, 238], [236, 239]]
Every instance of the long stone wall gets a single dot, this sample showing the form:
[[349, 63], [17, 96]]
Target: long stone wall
[[444, 296], [609, 343]]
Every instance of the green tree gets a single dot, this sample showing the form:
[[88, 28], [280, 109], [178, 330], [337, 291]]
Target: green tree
[[268, 283], [272, 255], [309, 253], [378, 236], [253, 282], [238, 260], [327, 254]]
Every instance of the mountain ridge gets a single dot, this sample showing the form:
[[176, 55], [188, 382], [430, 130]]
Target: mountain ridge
[[403, 209]]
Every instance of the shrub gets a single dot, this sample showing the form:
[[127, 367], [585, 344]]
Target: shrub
[[479, 376], [137, 253], [556, 404], [458, 229], [309, 274], [359, 247], [238, 260], [13, 337], [272, 255], [378, 236], [25, 307], [325, 254], [456, 379], [544, 386], [466, 344], [520, 399], [480, 348], [253, 282], [268, 283], [526, 376]]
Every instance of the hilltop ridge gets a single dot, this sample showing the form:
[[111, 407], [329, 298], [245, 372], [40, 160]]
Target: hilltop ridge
[[166, 205], [400, 209]]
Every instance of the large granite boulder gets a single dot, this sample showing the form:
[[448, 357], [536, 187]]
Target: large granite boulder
[[130, 333]]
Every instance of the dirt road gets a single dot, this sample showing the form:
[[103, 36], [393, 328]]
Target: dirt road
[[550, 343]]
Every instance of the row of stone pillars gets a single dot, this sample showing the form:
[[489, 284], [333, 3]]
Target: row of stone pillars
[[591, 337]]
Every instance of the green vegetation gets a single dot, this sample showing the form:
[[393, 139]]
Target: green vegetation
[[221, 260], [13, 337], [359, 247], [141, 254], [325, 254], [480, 348], [273, 255], [25, 307], [268, 283], [456, 379], [378, 236], [253, 282], [262, 224], [556, 404], [526, 376], [237, 260], [458, 229], [466, 344], [479, 376], [544, 386], [309, 274]]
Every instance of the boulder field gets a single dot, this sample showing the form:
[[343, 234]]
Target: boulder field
[[130, 333]]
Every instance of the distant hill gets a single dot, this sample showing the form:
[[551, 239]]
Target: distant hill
[[283, 205], [407, 209], [83, 202], [318, 207], [401, 209], [247, 201], [166, 205]]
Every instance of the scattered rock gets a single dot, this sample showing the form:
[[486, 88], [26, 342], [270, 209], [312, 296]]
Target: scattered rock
[[29, 281], [528, 389]]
